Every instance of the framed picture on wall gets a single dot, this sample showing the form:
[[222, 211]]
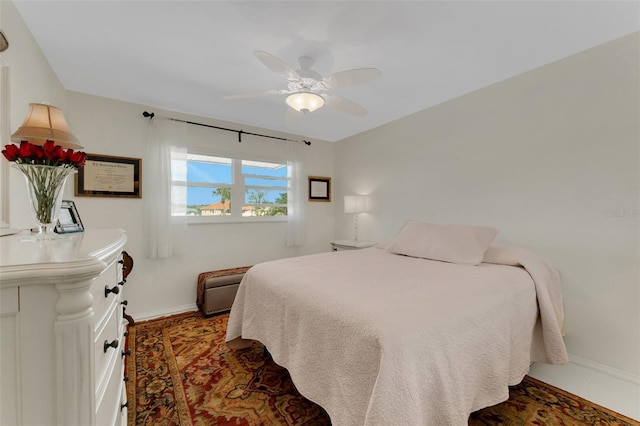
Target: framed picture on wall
[[68, 219], [109, 176], [319, 188]]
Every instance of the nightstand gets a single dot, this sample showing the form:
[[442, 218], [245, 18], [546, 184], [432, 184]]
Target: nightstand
[[339, 245]]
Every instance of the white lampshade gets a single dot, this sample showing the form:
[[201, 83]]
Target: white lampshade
[[46, 123], [355, 203], [305, 101]]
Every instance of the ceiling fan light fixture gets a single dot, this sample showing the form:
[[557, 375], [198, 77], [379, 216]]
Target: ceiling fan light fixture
[[305, 101]]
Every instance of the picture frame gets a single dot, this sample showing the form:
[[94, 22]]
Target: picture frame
[[68, 219], [319, 188], [109, 176]]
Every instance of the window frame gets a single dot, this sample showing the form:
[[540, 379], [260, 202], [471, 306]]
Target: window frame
[[237, 187]]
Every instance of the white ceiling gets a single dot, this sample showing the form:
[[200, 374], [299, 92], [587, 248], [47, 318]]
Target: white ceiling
[[187, 55]]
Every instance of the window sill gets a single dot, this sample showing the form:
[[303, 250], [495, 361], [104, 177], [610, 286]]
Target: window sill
[[204, 220]]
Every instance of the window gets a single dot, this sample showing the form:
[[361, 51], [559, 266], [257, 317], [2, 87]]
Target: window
[[223, 188]]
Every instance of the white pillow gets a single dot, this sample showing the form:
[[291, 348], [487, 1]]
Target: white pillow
[[465, 244]]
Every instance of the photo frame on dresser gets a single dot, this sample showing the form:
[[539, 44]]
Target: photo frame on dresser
[[68, 219]]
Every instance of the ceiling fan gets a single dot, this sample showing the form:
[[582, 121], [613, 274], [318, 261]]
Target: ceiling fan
[[307, 90]]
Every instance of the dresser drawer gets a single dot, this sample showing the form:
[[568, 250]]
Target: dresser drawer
[[102, 303], [106, 361], [108, 412], [124, 410]]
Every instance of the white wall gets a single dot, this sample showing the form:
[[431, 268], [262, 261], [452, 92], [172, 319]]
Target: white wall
[[117, 128], [551, 158], [31, 80], [111, 127], [546, 157]]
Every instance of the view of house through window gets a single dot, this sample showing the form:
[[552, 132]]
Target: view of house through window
[[231, 187]]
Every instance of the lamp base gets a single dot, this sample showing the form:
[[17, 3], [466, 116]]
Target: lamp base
[[355, 226]]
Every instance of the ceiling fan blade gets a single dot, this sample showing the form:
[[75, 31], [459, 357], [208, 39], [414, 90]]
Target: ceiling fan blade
[[345, 105], [257, 94], [352, 77], [276, 64], [292, 117]]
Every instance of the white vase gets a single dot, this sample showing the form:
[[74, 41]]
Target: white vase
[[45, 185]]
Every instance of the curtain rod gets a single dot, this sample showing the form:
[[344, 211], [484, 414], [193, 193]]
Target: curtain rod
[[150, 115]]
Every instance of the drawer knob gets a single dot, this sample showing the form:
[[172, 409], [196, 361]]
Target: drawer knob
[[107, 345], [114, 290], [125, 405], [124, 302], [122, 282], [125, 379], [126, 353]]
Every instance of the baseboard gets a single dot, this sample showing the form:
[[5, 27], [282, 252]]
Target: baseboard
[[144, 316], [605, 369], [616, 389]]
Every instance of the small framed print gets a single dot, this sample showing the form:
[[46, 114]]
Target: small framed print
[[68, 219], [109, 176], [319, 188]]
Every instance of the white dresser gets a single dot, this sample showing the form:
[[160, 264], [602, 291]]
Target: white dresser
[[62, 331]]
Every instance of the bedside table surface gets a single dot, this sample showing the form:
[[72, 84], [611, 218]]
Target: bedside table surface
[[352, 243]]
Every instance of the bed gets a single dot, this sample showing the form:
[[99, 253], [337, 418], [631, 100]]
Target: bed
[[376, 337]]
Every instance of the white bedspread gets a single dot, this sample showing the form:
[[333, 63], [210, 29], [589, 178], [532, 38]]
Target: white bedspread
[[382, 339]]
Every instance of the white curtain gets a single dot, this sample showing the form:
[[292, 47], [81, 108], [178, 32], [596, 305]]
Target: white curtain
[[296, 202], [179, 191], [159, 229]]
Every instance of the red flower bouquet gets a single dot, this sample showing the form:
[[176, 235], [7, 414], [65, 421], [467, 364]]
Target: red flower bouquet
[[48, 154], [46, 169]]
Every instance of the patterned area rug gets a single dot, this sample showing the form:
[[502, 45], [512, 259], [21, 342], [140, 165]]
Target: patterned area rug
[[182, 373]]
